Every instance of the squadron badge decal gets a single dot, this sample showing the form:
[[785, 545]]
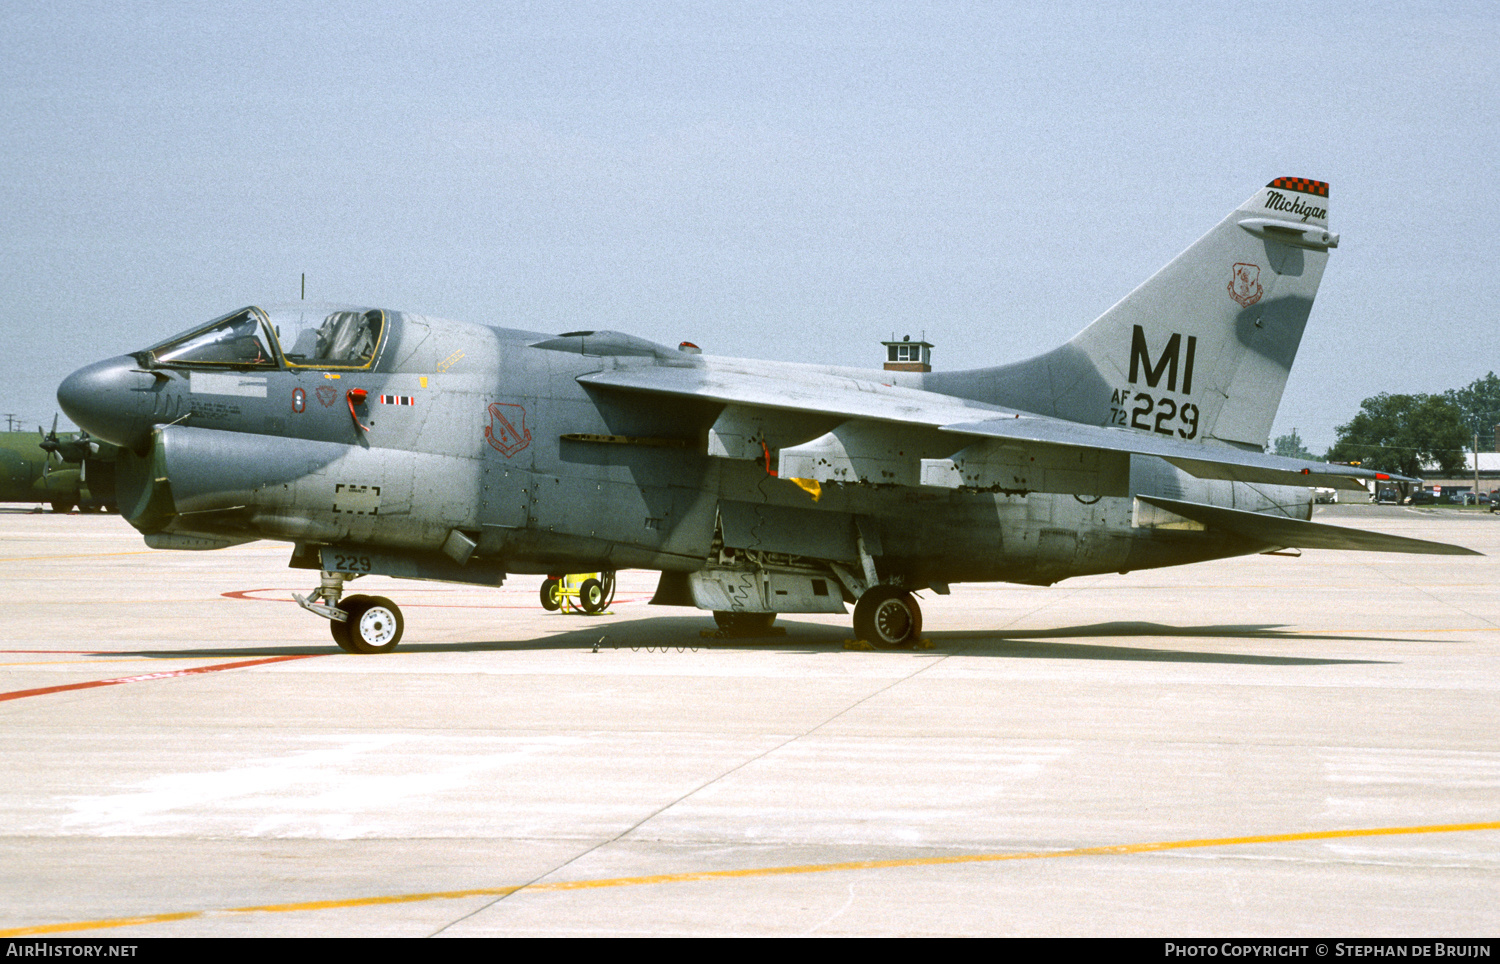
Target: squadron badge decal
[[507, 432], [1244, 283]]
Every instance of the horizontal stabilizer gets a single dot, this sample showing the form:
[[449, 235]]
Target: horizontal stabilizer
[[1314, 475], [1202, 461], [1294, 533]]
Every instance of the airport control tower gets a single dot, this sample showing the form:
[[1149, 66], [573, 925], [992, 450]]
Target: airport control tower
[[907, 355]]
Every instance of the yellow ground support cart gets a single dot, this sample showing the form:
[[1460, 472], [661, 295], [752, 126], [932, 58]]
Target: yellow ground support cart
[[580, 592]]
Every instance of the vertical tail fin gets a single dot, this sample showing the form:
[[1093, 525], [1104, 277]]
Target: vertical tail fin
[[1200, 350]]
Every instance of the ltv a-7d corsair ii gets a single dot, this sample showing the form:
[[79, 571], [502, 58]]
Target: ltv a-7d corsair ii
[[379, 441]]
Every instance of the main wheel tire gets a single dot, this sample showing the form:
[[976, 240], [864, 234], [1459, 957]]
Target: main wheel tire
[[744, 624], [62, 506], [375, 624], [888, 617], [591, 596], [551, 601]]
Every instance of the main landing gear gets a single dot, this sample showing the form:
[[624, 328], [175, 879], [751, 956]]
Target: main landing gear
[[888, 617], [885, 616], [359, 624]]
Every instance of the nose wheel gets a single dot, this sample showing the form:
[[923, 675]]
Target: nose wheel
[[359, 624], [374, 625]]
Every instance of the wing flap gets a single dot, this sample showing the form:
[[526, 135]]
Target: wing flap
[[1295, 533]]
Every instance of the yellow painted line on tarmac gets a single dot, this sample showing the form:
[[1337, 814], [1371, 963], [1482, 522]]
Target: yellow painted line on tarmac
[[81, 555], [1397, 632], [100, 925], [711, 875], [1278, 635], [64, 662], [106, 662]]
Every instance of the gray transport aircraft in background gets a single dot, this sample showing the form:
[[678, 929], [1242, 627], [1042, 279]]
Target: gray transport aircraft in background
[[379, 441]]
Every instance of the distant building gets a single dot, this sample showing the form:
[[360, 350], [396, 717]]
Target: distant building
[[907, 355], [1489, 475]]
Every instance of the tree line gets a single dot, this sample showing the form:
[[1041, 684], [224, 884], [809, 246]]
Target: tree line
[[1410, 434]]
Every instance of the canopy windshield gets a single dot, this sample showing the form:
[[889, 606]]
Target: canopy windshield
[[307, 336], [238, 338], [326, 336]]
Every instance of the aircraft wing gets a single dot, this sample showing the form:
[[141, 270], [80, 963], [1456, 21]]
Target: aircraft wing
[[1297, 534], [831, 393], [818, 391]]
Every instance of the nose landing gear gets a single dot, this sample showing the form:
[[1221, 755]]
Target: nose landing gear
[[358, 624]]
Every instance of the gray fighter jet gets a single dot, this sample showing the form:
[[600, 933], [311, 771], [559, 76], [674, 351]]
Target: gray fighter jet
[[380, 441]]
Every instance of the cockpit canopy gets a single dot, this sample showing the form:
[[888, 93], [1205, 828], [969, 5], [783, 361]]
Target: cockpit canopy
[[297, 336]]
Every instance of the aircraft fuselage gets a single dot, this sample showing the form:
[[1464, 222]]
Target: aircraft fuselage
[[386, 442], [472, 429]]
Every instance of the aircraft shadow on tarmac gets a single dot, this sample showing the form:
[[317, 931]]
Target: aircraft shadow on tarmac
[[1029, 644], [684, 633]]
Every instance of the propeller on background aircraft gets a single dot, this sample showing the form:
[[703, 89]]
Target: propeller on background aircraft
[[49, 444], [75, 449]]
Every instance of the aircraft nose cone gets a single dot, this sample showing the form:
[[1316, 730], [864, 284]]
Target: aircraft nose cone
[[110, 400]]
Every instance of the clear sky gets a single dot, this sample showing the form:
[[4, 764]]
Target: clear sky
[[791, 181]]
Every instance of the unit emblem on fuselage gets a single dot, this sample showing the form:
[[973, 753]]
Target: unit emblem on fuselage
[[507, 432], [327, 394]]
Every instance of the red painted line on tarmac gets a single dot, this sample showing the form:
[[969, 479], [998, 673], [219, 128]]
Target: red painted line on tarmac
[[245, 594], [20, 694]]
